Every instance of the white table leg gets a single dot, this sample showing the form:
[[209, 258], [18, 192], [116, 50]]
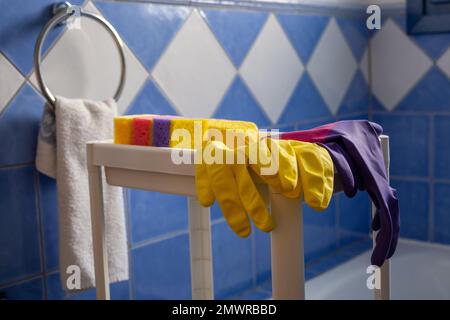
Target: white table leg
[[98, 227], [288, 263], [200, 251], [384, 293]]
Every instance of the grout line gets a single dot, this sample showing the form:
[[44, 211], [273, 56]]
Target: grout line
[[411, 112], [411, 178], [20, 281], [160, 238], [17, 165], [370, 78], [431, 155], [40, 221]]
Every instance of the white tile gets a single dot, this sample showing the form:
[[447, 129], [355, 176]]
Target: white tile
[[364, 65], [332, 66], [85, 64], [444, 62], [10, 81], [397, 64], [272, 68], [194, 71]]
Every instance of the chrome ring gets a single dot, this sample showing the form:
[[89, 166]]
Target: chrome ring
[[63, 13]]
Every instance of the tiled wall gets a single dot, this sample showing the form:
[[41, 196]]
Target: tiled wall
[[288, 70], [411, 100]]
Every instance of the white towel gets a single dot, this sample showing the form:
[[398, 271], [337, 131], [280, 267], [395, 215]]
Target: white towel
[[61, 154]]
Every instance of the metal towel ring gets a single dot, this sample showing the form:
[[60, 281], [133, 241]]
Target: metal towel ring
[[63, 11]]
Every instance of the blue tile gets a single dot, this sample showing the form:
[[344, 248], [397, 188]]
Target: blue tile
[[361, 116], [347, 237], [434, 44], [263, 262], [153, 214], [232, 261], [19, 127], [49, 212], [408, 143], [305, 125], [235, 30], [441, 147], [19, 34], [441, 213], [29, 290], [338, 257], [119, 290], [216, 212], [357, 247], [239, 104], [266, 286], [306, 103], [304, 32], [432, 93], [354, 213], [146, 28], [414, 212], [375, 104], [357, 97], [320, 231], [356, 34], [150, 100], [162, 270], [254, 294], [19, 240]]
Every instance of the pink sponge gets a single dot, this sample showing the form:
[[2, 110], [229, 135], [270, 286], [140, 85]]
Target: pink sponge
[[142, 131]]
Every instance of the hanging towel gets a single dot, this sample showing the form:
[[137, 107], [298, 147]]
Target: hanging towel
[[358, 158], [61, 154]]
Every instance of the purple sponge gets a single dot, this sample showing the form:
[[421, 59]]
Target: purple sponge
[[161, 132]]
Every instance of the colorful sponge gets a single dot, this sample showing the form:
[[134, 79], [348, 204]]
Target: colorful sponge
[[123, 129], [142, 131], [158, 130]]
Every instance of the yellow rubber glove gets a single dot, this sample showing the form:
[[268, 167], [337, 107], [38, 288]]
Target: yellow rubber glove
[[285, 178], [303, 169], [316, 173], [234, 189]]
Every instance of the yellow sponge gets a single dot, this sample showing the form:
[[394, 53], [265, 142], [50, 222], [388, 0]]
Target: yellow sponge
[[123, 129], [188, 125]]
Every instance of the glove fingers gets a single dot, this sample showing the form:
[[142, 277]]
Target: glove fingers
[[202, 186], [287, 163], [316, 174], [376, 221], [383, 241], [252, 200], [225, 189]]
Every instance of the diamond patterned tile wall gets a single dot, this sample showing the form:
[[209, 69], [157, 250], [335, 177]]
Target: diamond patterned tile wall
[[258, 65], [194, 71], [10, 81], [332, 74], [272, 69], [397, 64], [91, 65]]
